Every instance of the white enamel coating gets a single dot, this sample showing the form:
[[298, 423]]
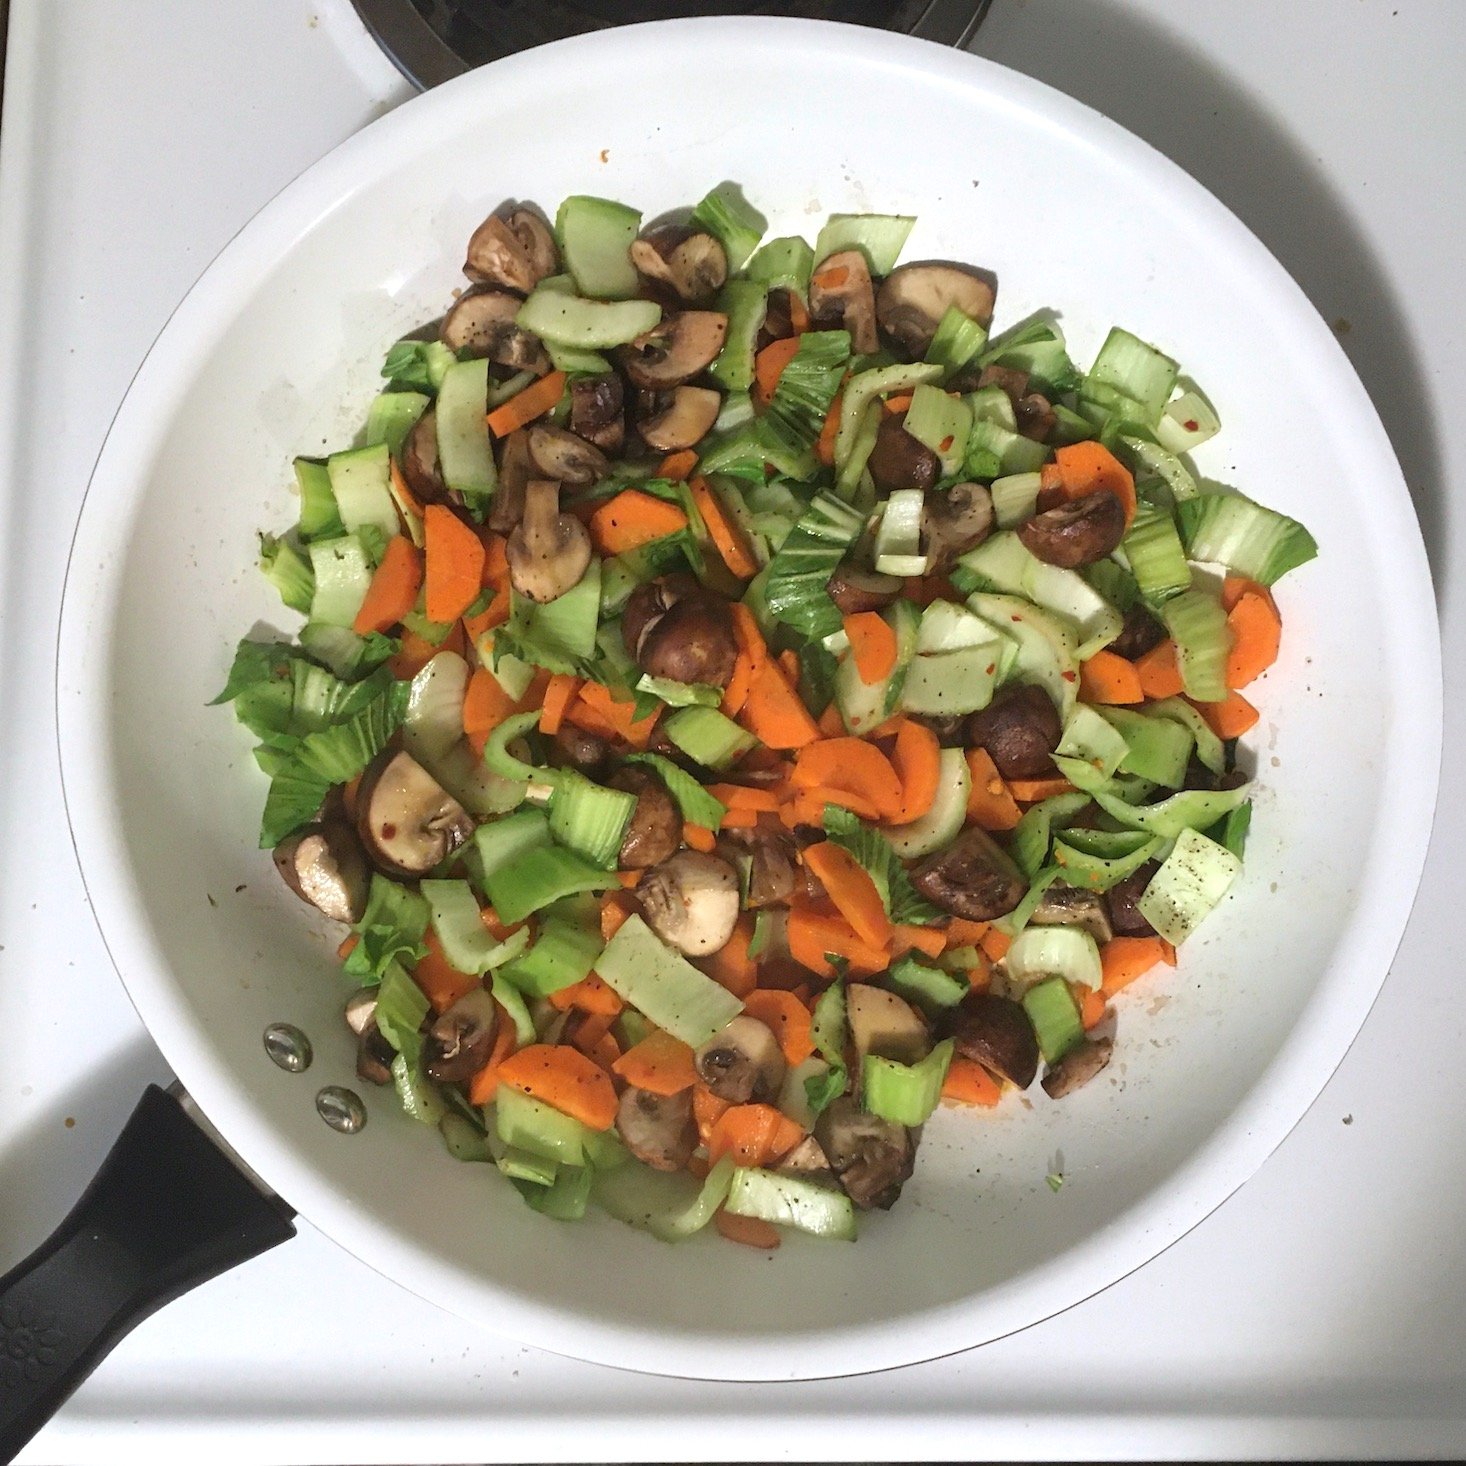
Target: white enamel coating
[[275, 352]]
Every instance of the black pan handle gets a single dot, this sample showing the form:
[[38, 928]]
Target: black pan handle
[[166, 1211]]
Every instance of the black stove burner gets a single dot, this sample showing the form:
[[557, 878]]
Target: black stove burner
[[434, 40]]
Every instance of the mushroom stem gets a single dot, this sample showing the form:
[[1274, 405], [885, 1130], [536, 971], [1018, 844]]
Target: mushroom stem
[[548, 551]]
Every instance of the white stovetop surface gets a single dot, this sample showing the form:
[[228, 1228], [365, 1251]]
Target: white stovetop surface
[[1318, 1311]]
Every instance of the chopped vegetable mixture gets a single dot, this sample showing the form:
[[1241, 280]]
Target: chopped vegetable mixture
[[744, 704]]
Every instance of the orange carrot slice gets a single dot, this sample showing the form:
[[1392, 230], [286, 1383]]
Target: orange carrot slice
[[564, 1079], [393, 591], [521, 409], [873, 645]]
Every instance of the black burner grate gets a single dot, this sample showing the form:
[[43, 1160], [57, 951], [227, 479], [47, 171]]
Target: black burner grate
[[434, 40]]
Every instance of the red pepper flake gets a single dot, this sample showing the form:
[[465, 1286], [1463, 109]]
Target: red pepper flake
[[1191, 425], [605, 155], [946, 445], [1071, 676], [992, 667]]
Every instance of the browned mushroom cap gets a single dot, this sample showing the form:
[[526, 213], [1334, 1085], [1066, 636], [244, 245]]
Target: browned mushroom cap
[[954, 522], [574, 748], [872, 1157], [693, 641], [482, 323], [1077, 533], [972, 878], [597, 411], [691, 262], [914, 298], [659, 1130], [559, 454], [685, 420], [655, 831], [841, 289], [767, 860], [1020, 729], [1065, 905], [517, 252], [996, 1033], [678, 347], [324, 865], [853, 589], [885, 1025], [1121, 901], [407, 821], [548, 551], [1078, 1066], [459, 1041], [516, 469], [420, 461], [691, 902], [899, 461], [743, 1063], [1140, 633]]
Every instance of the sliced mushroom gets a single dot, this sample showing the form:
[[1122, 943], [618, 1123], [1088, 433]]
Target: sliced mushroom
[[872, 1157], [460, 1040], [899, 461], [658, 1129], [1020, 729], [1077, 533], [954, 522], [559, 454], [691, 902], [420, 461], [1065, 905], [809, 1162], [482, 322], [374, 1055], [687, 419], [574, 748], [324, 865], [655, 831], [840, 289], [597, 411], [1013, 381], [548, 552], [692, 262], [768, 858], [972, 878], [778, 317], [678, 347], [1078, 1066], [996, 1033], [517, 252], [361, 1010], [648, 603], [853, 589], [1140, 633], [914, 298], [407, 821], [1036, 417], [885, 1025], [743, 1064], [692, 641], [1121, 901], [516, 469]]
